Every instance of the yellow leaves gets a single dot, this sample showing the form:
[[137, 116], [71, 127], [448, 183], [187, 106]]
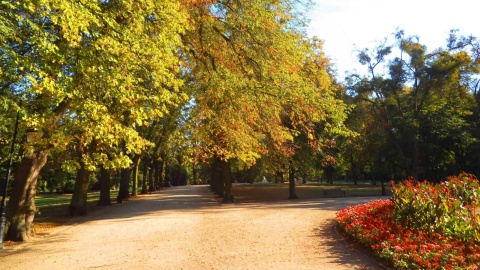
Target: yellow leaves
[[30, 7], [77, 50], [70, 166], [121, 64]]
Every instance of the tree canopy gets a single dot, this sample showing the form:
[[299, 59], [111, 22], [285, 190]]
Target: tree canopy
[[423, 102]]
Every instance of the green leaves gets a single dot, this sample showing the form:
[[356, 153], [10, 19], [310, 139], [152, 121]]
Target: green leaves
[[422, 104], [115, 62], [447, 208]]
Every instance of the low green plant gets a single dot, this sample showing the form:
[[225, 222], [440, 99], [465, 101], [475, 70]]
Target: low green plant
[[449, 208]]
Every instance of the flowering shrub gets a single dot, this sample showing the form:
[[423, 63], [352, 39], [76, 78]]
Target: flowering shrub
[[449, 207], [423, 226]]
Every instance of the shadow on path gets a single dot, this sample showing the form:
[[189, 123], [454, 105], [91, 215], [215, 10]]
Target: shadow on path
[[199, 199], [344, 251]]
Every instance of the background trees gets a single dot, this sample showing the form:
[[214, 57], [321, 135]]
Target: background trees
[[422, 101]]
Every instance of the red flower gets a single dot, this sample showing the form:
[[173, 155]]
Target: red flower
[[377, 225]]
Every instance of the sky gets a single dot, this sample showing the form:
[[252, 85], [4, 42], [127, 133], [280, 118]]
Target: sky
[[347, 25]]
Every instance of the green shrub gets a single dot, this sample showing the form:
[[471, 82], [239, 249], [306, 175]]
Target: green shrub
[[449, 208]]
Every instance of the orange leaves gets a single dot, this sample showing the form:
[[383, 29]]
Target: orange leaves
[[192, 3], [250, 85]]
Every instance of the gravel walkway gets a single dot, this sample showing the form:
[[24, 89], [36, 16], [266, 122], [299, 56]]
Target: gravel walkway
[[185, 228]]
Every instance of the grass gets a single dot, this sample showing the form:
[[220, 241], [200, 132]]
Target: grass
[[272, 192], [52, 208], [53, 199]]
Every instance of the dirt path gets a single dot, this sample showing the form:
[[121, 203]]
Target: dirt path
[[185, 228]]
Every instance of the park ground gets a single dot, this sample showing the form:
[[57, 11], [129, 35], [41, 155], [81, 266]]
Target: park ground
[[188, 228]]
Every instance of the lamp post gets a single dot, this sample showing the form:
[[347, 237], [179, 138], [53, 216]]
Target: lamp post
[[4, 191]]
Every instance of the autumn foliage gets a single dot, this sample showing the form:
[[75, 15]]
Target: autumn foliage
[[423, 226]]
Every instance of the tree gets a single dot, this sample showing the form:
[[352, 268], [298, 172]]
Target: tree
[[423, 102], [320, 124], [246, 62], [81, 62], [470, 154]]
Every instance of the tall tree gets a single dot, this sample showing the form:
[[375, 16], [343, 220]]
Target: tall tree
[[423, 101], [85, 62], [35, 50], [245, 59]]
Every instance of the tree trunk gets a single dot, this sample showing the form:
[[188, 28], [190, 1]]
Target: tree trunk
[[175, 181], [227, 180], [415, 159], [279, 177], [145, 178], [216, 181], [291, 185], [136, 161], [213, 177], [162, 174], [124, 184], [78, 203], [20, 210], [353, 169], [157, 175], [329, 173], [151, 184], [105, 184], [166, 181], [194, 171]]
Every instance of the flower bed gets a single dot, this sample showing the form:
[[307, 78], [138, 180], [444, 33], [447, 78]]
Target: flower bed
[[423, 226]]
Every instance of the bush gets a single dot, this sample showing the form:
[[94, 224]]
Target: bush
[[449, 207], [423, 226]]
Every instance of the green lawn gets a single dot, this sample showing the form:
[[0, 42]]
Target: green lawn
[[54, 199], [271, 192], [52, 208]]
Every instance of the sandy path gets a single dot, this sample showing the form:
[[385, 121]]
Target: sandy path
[[184, 228]]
